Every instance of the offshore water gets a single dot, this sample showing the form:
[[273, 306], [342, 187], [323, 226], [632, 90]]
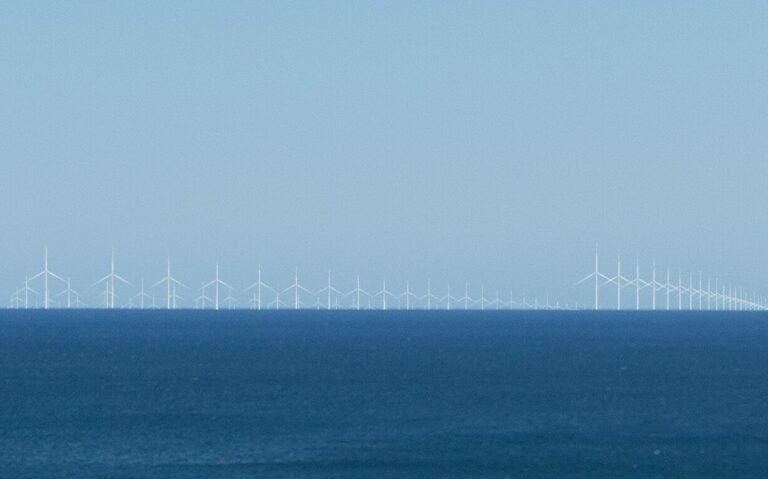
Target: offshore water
[[383, 394]]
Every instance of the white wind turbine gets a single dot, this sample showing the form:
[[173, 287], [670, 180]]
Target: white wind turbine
[[15, 302], [110, 280], [655, 286], [46, 274], [257, 288], [599, 278], [429, 296], [215, 283], [357, 294], [465, 299], [620, 281], [73, 297], [329, 291], [25, 291], [482, 297], [202, 300], [384, 293], [296, 288], [142, 297], [170, 283], [175, 297], [448, 298], [277, 302], [691, 291], [408, 296], [512, 303], [230, 302], [639, 284]]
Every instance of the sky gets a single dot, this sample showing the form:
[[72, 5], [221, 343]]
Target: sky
[[490, 142]]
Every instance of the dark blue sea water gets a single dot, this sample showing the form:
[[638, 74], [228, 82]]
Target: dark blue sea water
[[383, 395]]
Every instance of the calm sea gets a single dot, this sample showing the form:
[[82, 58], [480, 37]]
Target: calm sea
[[383, 394]]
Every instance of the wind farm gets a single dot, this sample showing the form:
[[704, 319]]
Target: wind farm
[[620, 289], [681, 295]]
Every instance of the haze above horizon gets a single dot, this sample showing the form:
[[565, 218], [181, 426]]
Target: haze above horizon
[[489, 142]]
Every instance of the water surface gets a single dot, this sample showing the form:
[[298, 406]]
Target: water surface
[[383, 394]]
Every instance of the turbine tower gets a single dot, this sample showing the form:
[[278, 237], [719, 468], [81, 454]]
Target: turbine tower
[[170, 283], [257, 287], [143, 296], [111, 279], [383, 293], [329, 290], [597, 276], [407, 295], [357, 293], [26, 290], [296, 287], [46, 274], [230, 301], [215, 283], [73, 298]]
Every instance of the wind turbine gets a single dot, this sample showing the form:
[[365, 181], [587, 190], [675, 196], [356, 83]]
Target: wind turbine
[[718, 303], [618, 284], [730, 298], [26, 290], [296, 287], [71, 295], [597, 276], [638, 282], [691, 291], [202, 300], [230, 301], [276, 303], [429, 296], [175, 298], [408, 295], [329, 290], [110, 281], [654, 286], [357, 293], [216, 282], [171, 284], [448, 298], [257, 287], [143, 296], [15, 301], [46, 274], [384, 293]]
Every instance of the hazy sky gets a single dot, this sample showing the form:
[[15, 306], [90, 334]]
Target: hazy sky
[[494, 142]]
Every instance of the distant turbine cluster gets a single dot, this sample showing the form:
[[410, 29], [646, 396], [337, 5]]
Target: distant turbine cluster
[[685, 292], [53, 291]]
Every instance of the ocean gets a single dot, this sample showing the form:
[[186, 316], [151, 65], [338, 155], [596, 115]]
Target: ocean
[[372, 394]]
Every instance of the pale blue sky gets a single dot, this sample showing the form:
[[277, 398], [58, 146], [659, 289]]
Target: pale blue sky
[[493, 142]]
